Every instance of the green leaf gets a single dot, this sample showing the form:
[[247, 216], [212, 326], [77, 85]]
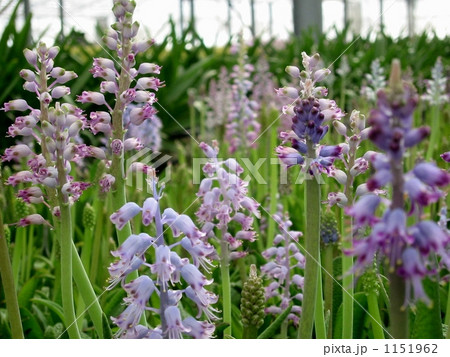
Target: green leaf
[[428, 323], [31, 327], [107, 333], [53, 306], [27, 293], [274, 326]]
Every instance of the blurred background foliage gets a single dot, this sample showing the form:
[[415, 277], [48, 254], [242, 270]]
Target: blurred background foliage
[[188, 63]]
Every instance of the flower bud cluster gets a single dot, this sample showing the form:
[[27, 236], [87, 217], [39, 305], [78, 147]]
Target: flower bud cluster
[[168, 270], [284, 261], [148, 134], [121, 39], [309, 114], [242, 127], [376, 80], [437, 86], [224, 196], [353, 165]]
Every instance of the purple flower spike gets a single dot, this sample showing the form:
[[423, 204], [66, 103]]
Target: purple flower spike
[[125, 214]]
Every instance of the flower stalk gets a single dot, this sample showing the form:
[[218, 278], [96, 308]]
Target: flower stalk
[[7, 278]]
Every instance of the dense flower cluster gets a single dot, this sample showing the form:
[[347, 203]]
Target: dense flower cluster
[[284, 259], [376, 80], [410, 249], [168, 269], [437, 86], [242, 127], [309, 113], [54, 128], [224, 196], [129, 85]]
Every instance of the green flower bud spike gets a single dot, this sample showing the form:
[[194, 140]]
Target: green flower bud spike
[[89, 216], [252, 304]]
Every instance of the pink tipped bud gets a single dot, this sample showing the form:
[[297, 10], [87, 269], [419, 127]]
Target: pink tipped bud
[[321, 74], [53, 52], [142, 46], [289, 92], [340, 127], [32, 219], [293, 71], [28, 75], [91, 97], [145, 68], [110, 42], [60, 91], [30, 56], [16, 104]]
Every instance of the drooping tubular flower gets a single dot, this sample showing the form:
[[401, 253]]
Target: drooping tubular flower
[[54, 127], [410, 248], [167, 270], [310, 114], [284, 267]]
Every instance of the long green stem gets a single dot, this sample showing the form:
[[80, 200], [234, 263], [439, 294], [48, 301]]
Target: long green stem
[[374, 311], [9, 288], [398, 314], [321, 331], [65, 239], [87, 292], [19, 247], [435, 131], [226, 288], [328, 256], [312, 247], [273, 187]]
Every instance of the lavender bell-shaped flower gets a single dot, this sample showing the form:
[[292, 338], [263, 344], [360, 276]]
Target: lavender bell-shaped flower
[[167, 270]]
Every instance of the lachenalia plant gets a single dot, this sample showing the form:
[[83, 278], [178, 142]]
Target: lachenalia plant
[[413, 247], [179, 279], [310, 113], [53, 129]]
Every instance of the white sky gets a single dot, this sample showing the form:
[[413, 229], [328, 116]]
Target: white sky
[[211, 16]]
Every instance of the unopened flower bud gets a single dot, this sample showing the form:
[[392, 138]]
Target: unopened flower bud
[[252, 301], [30, 56]]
